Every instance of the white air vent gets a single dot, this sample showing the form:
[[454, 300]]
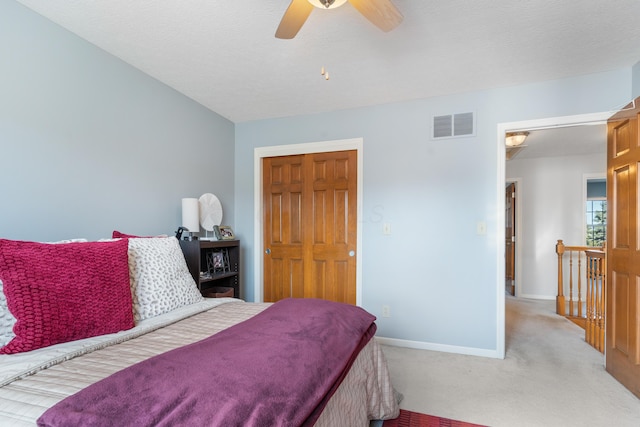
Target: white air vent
[[453, 125]]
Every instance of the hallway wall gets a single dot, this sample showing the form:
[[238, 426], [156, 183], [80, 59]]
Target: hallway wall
[[551, 202]]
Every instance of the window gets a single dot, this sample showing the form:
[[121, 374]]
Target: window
[[596, 212], [596, 222]]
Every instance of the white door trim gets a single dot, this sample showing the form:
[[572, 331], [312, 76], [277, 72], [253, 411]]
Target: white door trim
[[289, 150]]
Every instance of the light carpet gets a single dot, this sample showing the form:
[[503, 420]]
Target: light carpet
[[550, 377]]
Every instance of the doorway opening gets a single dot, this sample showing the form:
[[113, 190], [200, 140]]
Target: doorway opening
[[503, 129]]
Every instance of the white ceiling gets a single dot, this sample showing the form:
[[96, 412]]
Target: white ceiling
[[564, 141], [224, 55]]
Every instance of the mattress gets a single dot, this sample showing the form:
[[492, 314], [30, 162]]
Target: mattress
[[35, 381]]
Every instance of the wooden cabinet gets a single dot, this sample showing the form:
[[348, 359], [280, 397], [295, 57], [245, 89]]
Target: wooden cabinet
[[213, 264]]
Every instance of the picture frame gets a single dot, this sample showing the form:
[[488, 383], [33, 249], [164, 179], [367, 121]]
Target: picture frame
[[226, 233], [217, 261]]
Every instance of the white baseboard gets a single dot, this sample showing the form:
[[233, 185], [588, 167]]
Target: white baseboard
[[420, 345], [540, 297]]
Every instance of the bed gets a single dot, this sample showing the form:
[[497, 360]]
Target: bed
[[179, 358]]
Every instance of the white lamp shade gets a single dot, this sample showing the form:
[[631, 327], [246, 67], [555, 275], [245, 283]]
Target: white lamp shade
[[191, 214]]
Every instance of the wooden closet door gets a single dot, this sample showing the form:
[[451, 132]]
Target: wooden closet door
[[310, 226], [623, 248], [283, 183], [330, 240]]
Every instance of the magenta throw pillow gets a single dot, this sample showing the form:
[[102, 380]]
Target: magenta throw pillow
[[65, 292], [118, 235]]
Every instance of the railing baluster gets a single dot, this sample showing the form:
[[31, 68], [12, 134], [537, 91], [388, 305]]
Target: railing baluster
[[560, 304], [571, 283], [598, 314], [579, 284], [588, 330], [594, 304]]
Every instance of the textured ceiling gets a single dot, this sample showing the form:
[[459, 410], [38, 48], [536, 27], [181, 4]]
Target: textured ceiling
[[224, 55], [564, 141]]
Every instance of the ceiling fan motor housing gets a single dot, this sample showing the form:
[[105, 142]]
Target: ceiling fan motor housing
[[327, 4], [382, 13]]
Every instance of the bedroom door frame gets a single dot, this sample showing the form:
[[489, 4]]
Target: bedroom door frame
[[295, 149], [517, 276]]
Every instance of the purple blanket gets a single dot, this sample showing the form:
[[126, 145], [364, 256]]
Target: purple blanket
[[278, 368]]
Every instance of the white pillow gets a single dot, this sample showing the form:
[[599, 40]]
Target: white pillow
[[6, 320], [160, 278]]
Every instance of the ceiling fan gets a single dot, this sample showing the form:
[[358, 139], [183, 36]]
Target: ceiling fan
[[381, 13]]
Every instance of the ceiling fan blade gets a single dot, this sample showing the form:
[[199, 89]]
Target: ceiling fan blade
[[293, 19], [382, 13]]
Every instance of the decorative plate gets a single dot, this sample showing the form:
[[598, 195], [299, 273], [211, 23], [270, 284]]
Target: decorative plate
[[210, 211]]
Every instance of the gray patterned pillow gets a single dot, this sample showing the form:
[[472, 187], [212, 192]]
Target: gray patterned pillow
[[6, 320], [160, 278]]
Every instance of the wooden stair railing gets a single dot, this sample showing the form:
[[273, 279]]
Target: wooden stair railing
[[596, 285], [587, 313]]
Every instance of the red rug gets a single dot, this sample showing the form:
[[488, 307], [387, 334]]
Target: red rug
[[414, 419]]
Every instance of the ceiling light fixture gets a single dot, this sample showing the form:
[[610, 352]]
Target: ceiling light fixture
[[515, 139], [327, 4]]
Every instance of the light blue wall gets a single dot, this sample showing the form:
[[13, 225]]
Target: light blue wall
[[635, 91], [435, 272], [89, 144]]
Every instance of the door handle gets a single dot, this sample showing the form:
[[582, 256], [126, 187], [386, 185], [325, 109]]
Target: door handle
[[352, 253], [268, 251]]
